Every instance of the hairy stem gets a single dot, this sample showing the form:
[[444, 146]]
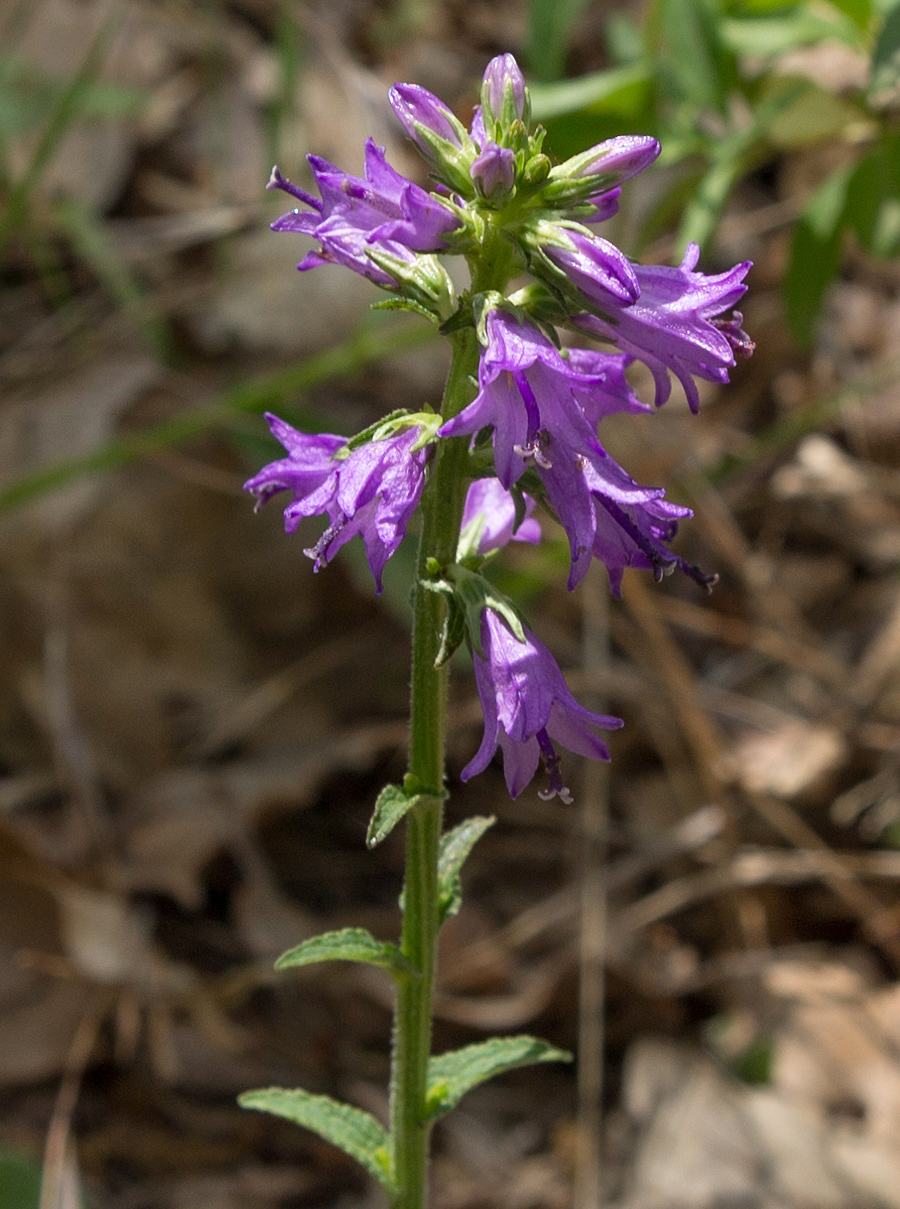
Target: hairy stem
[[442, 514]]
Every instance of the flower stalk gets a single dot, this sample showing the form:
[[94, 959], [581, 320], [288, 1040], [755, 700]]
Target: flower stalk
[[442, 509]]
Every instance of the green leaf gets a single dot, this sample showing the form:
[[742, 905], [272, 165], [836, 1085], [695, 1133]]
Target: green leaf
[[815, 259], [453, 631], [349, 944], [20, 1181], [392, 804], [773, 35], [475, 594], [455, 847], [451, 1075], [550, 23], [873, 195], [355, 1132], [885, 76], [694, 55], [585, 92], [859, 11], [811, 115]]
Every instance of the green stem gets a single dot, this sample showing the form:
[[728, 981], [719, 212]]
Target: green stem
[[442, 514]]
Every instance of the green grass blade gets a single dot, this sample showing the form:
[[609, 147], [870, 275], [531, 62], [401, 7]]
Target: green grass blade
[[260, 394]]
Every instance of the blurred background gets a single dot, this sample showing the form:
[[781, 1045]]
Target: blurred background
[[193, 728]]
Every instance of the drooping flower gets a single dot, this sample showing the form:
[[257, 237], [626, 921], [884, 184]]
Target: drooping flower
[[372, 492], [674, 324], [355, 213], [489, 519], [527, 705], [544, 411], [307, 465]]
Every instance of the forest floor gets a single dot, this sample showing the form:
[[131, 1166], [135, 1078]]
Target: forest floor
[[193, 727]]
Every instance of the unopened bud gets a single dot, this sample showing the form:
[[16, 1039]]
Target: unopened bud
[[601, 168], [437, 132], [504, 97], [494, 172]]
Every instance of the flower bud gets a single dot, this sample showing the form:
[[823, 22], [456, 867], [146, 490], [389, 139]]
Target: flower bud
[[494, 173], [437, 132], [504, 97], [421, 278], [600, 168]]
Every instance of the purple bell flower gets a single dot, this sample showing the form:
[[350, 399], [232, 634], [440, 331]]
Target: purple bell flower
[[544, 411], [629, 535], [305, 468], [372, 492], [673, 325], [356, 212], [527, 705], [491, 508]]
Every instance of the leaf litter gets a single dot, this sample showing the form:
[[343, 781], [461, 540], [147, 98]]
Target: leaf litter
[[186, 777]]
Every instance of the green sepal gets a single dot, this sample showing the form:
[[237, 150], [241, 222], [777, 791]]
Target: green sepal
[[475, 594], [453, 1074], [405, 304], [355, 1132], [348, 944], [391, 805], [427, 419], [455, 847], [453, 632]]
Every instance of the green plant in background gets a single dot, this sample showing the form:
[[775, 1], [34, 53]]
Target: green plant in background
[[707, 78]]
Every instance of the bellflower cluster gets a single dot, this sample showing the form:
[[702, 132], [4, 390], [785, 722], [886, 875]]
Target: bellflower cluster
[[539, 406], [520, 429]]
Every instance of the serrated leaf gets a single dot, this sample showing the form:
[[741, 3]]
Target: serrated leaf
[[453, 1074], [455, 847], [391, 805], [348, 944], [355, 1132]]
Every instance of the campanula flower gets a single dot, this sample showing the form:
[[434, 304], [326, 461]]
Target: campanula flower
[[527, 705], [489, 519], [674, 325], [372, 491], [355, 213], [544, 410]]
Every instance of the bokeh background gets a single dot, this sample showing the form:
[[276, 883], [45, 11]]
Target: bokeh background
[[193, 727]]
